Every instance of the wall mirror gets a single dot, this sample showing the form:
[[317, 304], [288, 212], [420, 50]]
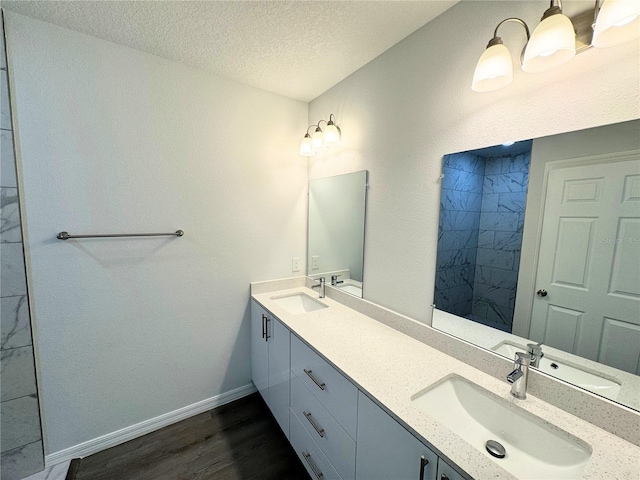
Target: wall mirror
[[539, 242], [335, 248]]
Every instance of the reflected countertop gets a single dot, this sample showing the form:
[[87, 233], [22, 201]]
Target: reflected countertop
[[489, 338]]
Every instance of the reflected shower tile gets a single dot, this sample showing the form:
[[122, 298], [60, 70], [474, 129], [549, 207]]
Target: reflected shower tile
[[9, 216], [493, 166], [20, 422], [485, 238], [12, 276], [467, 162], [510, 241], [505, 182], [511, 202], [479, 308], [504, 278], [22, 461], [7, 161], [517, 163], [495, 258], [15, 328], [490, 202], [18, 376], [508, 222], [482, 275], [499, 314]]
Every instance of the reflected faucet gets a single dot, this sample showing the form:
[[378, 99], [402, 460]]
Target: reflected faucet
[[520, 375], [320, 285], [334, 280], [535, 352]]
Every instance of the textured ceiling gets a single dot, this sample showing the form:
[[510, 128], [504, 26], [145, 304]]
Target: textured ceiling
[[295, 48]]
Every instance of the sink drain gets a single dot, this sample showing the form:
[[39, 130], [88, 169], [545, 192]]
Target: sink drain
[[495, 448]]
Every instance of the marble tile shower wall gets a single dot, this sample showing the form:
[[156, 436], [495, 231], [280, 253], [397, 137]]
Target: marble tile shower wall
[[500, 237], [21, 436], [460, 207]]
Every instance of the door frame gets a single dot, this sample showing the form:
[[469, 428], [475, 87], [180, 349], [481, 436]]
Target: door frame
[[532, 233]]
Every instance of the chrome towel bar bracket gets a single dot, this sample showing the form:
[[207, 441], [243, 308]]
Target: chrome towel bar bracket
[[67, 235]]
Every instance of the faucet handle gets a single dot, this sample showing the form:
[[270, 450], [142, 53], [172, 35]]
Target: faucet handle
[[535, 350], [335, 277], [522, 359]]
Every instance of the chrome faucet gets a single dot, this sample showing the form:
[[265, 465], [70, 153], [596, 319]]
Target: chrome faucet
[[320, 285], [335, 281], [520, 375], [535, 352]]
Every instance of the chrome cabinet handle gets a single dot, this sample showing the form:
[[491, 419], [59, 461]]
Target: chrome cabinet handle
[[309, 374], [314, 469], [313, 424], [423, 463], [444, 477], [266, 329], [264, 325]]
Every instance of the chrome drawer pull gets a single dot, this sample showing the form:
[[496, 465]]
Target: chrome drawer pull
[[309, 374], [266, 329], [313, 424], [444, 477], [307, 457], [264, 325], [423, 463]]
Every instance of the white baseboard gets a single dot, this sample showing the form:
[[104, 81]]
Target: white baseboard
[[112, 439]]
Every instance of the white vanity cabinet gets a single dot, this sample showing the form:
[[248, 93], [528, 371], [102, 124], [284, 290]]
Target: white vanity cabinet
[[446, 472], [387, 450], [270, 362]]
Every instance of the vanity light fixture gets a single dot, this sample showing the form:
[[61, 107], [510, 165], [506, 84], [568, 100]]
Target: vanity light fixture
[[553, 41], [321, 140]]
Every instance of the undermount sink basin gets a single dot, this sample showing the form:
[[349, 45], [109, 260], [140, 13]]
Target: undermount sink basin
[[298, 303], [534, 449], [589, 381]]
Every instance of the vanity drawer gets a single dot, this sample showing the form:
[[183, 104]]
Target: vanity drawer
[[311, 456], [336, 444], [337, 394]]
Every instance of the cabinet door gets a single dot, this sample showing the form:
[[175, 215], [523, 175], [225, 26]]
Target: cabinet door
[[385, 449], [446, 471], [259, 349], [279, 371]]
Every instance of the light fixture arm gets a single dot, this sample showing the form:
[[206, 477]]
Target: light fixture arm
[[317, 126], [496, 40], [516, 20]]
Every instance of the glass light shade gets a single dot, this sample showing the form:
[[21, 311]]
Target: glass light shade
[[494, 69], [306, 149], [552, 43], [618, 22], [331, 134], [317, 141]]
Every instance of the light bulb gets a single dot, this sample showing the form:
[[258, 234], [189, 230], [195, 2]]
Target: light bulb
[[494, 69], [317, 140], [306, 149], [552, 43], [331, 134], [618, 22]]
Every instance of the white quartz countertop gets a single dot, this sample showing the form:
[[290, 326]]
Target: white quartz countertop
[[391, 367]]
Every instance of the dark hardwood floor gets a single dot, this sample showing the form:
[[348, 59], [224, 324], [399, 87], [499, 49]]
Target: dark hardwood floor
[[238, 441]]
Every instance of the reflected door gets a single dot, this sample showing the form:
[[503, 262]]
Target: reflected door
[[588, 278]]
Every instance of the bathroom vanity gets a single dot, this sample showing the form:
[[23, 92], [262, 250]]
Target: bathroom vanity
[[358, 399]]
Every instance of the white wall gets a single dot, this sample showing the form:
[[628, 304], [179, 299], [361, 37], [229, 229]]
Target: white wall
[[403, 111], [114, 140]]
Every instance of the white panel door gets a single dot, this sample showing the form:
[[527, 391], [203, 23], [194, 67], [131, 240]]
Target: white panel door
[[589, 263]]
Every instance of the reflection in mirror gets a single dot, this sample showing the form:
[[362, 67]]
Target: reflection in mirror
[[542, 243], [480, 233], [336, 230]]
